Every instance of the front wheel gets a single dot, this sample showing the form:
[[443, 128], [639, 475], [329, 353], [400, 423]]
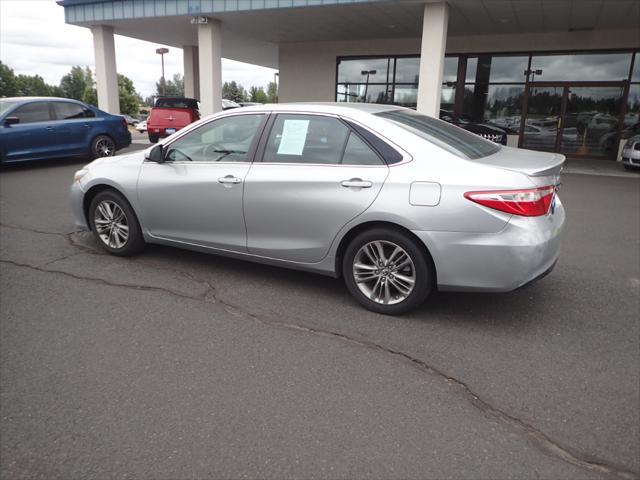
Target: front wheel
[[114, 224], [103, 146], [387, 271]]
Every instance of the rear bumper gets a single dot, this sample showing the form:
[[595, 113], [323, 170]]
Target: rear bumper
[[525, 250], [162, 131], [123, 140]]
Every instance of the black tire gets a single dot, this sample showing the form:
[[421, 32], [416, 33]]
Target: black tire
[[631, 168], [134, 242], [103, 146], [153, 138], [422, 269]]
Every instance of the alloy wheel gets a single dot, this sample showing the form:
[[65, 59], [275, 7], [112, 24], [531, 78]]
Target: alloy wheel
[[111, 224], [384, 272], [105, 147]]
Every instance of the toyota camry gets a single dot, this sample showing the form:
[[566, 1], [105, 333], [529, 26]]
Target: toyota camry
[[397, 203]]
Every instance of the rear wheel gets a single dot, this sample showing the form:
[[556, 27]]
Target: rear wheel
[[153, 138], [103, 146], [114, 224], [387, 272]]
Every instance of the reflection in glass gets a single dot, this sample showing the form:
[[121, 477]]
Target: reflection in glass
[[582, 66], [362, 92], [591, 121], [450, 69], [447, 98], [350, 70], [635, 76], [631, 124], [500, 105], [496, 68], [407, 70], [543, 115], [406, 95]]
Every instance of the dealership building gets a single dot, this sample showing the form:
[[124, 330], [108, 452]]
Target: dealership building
[[557, 75]]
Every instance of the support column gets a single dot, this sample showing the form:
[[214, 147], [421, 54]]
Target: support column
[[434, 43], [106, 72], [210, 57], [191, 71]]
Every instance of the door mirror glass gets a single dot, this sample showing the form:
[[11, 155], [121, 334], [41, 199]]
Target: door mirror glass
[[11, 120], [155, 154]]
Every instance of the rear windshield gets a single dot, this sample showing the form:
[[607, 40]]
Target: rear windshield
[[177, 103], [453, 139]]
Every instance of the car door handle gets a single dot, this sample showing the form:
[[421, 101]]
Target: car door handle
[[50, 129], [229, 179], [357, 183]]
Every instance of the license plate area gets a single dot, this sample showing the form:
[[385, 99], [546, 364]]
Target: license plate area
[[169, 131]]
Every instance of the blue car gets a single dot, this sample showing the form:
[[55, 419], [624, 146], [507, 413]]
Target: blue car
[[37, 128]]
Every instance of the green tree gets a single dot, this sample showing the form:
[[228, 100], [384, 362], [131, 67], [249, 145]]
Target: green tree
[[257, 95], [272, 92], [233, 91], [8, 84], [172, 88], [75, 83], [33, 86], [129, 98]]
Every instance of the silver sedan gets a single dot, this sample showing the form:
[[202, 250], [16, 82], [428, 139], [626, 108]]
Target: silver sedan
[[397, 203]]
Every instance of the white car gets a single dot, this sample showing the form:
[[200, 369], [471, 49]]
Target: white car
[[142, 126]]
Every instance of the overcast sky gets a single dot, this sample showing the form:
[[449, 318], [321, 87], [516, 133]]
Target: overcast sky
[[35, 40]]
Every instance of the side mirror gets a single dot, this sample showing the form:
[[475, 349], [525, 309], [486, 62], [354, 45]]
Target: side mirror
[[11, 121], [156, 154]]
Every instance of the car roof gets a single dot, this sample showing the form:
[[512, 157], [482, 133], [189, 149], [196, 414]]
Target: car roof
[[324, 107], [41, 99]]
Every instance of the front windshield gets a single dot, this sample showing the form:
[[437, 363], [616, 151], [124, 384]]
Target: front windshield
[[6, 105], [453, 139]]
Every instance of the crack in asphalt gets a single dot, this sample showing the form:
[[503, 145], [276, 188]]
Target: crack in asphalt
[[210, 295]]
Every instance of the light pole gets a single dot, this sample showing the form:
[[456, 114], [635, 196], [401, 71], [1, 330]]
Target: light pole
[[161, 52], [366, 87], [533, 73], [276, 77]]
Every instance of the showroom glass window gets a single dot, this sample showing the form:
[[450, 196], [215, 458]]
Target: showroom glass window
[[494, 90], [392, 80], [631, 123]]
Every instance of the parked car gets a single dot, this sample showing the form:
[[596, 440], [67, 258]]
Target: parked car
[[169, 115], [130, 120], [396, 202], [142, 126], [631, 153], [495, 134], [36, 128], [229, 104]]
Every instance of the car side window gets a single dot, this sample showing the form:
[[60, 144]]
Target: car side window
[[358, 152], [225, 140], [33, 112], [68, 111], [306, 139]]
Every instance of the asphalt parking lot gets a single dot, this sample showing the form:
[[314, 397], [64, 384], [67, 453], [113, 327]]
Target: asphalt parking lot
[[176, 364]]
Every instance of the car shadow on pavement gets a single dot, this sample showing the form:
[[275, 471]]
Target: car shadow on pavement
[[490, 309]]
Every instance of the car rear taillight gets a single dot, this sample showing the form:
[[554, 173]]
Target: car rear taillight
[[532, 202], [124, 122]]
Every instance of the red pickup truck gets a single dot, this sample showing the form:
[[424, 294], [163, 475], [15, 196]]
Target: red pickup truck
[[169, 115]]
